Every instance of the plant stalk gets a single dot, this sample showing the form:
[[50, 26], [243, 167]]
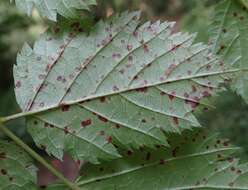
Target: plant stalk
[[36, 156]]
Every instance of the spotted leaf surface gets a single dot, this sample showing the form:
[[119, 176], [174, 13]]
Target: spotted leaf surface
[[229, 38], [17, 171], [195, 160], [50, 8], [123, 83]]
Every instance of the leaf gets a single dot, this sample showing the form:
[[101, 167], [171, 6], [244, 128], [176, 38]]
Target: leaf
[[17, 171], [50, 8], [123, 83], [229, 38], [195, 160]]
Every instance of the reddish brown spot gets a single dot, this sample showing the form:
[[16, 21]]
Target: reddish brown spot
[[62, 46], [122, 71], [103, 119], [172, 95], [66, 130], [56, 29], [158, 146], [175, 47], [78, 162], [146, 49], [116, 55], [75, 25], [235, 14], [174, 151], [48, 67], [208, 67], [226, 143], [241, 18], [117, 126], [162, 93], [135, 34], [230, 159], [109, 139], [193, 104], [194, 89], [129, 47], [115, 88], [65, 108], [232, 169], [148, 156], [239, 171], [206, 94], [143, 120], [46, 125], [130, 58], [175, 121], [86, 123], [222, 46], [170, 69], [129, 152], [18, 84], [186, 95], [2, 155], [4, 172], [144, 89], [102, 99], [161, 161], [101, 133]]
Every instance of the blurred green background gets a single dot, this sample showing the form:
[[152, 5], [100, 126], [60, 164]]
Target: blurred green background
[[230, 117]]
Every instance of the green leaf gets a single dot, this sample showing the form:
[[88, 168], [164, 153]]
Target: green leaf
[[125, 82], [50, 8], [17, 171], [230, 40], [195, 160]]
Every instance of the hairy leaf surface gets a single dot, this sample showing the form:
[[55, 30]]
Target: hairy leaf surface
[[195, 160], [230, 40], [125, 82], [17, 171], [50, 8]]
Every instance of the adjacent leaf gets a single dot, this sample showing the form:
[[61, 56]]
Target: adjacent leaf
[[50, 8], [17, 171], [124, 82], [194, 161], [230, 40]]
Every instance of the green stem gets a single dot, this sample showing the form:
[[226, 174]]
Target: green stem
[[36, 156]]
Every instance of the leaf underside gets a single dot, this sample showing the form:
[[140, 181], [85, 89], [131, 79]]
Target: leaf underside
[[195, 160], [230, 40], [124, 83], [50, 8], [17, 171]]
